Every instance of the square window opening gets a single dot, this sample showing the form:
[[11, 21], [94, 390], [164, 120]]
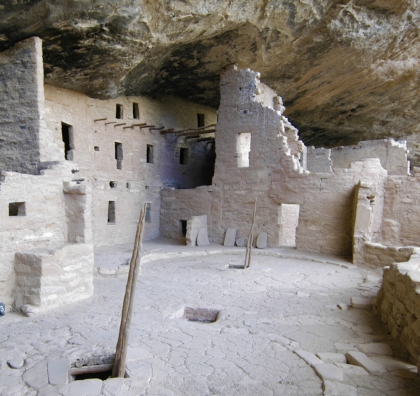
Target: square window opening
[[113, 184], [149, 154], [200, 120], [136, 111], [119, 111], [17, 209], [148, 218], [111, 212], [183, 156], [96, 148]]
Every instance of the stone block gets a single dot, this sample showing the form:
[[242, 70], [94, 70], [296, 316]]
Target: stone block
[[350, 369], [230, 237], [308, 357], [337, 389], [374, 349], [241, 241], [361, 302], [360, 359], [262, 240], [328, 357], [327, 371], [202, 237], [58, 371], [392, 364]]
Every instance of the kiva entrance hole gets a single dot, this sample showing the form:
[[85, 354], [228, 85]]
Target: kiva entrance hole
[[92, 367]]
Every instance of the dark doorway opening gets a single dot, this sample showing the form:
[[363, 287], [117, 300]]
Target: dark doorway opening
[[183, 156], [119, 111], [200, 120], [183, 227], [136, 111], [149, 154], [67, 135]]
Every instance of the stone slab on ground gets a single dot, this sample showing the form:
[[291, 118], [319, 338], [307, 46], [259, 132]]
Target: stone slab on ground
[[328, 371], [360, 359], [328, 357], [58, 371], [361, 302], [262, 240], [241, 241], [350, 369], [113, 386], [36, 376], [308, 357], [88, 387], [16, 363], [376, 348], [338, 389], [230, 237], [202, 237], [404, 374], [392, 364]]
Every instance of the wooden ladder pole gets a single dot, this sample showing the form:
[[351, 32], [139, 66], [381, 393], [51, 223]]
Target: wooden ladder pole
[[250, 238], [118, 369]]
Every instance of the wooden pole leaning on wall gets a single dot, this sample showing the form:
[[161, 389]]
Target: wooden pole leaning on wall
[[118, 369], [250, 239]]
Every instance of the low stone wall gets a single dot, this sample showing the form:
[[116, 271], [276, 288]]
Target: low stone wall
[[398, 303], [377, 255], [46, 278]]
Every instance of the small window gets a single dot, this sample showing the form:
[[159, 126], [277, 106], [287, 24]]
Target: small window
[[67, 135], [96, 148], [113, 184], [119, 113], [136, 111], [119, 154], [17, 209], [200, 120], [111, 212], [149, 154], [127, 185], [183, 156], [148, 218], [183, 227]]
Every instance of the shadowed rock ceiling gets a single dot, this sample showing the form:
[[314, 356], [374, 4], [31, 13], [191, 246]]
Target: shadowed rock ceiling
[[347, 70]]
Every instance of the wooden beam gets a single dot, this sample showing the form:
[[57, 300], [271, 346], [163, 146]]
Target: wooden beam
[[122, 123], [100, 119], [131, 127], [99, 368], [111, 122], [157, 129], [170, 130], [196, 132], [204, 139], [144, 123], [194, 129], [146, 126]]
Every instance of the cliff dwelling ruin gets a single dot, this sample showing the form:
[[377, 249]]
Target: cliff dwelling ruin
[[330, 304]]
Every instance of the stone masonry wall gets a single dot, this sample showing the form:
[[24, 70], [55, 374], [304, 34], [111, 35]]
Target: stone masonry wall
[[402, 210], [93, 154], [392, 154], [180, 205], [20, 73], [41, 223], [398, 303]]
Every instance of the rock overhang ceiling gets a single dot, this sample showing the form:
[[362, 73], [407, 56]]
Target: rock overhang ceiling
[[347, 70]]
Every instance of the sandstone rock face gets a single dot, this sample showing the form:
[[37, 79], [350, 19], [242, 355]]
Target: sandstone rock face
[[347, 70]]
